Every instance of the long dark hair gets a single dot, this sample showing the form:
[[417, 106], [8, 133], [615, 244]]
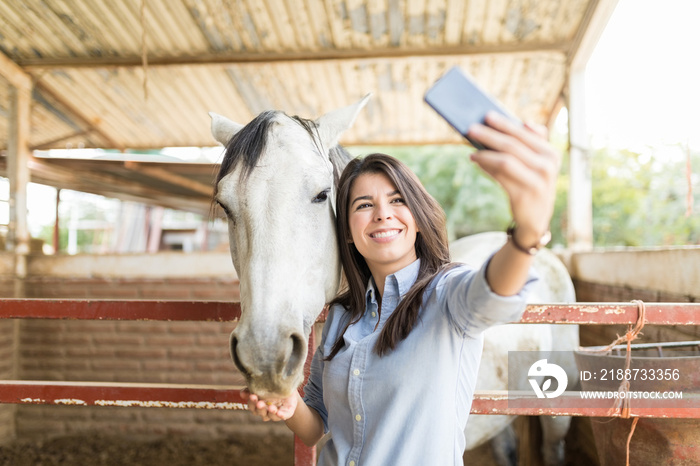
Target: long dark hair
[[431, 248]]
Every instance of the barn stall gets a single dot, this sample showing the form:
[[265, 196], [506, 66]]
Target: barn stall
[[138, 75]]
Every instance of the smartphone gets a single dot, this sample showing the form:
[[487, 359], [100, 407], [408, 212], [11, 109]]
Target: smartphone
[[460, 101]]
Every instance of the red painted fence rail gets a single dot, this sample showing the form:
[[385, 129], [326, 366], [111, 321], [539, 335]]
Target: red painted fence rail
[[227, 397], [218, 311]]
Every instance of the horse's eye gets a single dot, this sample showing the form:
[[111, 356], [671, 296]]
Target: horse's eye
[[321, 197], [225, 209]]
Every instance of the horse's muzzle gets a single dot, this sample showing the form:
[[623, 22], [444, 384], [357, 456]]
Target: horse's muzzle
[[279, 372]]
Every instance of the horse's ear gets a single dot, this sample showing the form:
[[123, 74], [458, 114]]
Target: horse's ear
[[222, 128], [334, 123]]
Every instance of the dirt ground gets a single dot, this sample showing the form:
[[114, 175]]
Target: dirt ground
[[103, 450], [251, 449]]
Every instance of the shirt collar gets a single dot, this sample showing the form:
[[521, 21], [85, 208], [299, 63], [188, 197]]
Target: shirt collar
[[397, 283]]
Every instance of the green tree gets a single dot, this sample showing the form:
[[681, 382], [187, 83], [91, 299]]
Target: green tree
[[641, 199]]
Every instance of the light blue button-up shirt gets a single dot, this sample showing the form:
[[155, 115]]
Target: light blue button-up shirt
[[410, 406]]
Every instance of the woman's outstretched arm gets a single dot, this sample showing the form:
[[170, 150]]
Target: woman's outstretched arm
[[523, 162]]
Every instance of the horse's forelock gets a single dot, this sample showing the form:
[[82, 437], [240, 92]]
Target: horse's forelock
[[248, 145]]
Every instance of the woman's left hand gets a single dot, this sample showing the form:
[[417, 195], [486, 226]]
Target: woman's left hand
[[521, 160]]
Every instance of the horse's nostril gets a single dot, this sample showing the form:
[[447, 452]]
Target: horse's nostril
[[236, 360], [296, 358]]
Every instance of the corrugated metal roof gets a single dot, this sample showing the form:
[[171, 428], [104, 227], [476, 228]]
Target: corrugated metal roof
[[93, 88]]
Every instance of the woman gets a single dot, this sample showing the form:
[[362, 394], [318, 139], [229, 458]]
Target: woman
[[394, 376]]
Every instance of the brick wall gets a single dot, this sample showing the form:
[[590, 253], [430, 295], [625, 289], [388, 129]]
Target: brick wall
[[8, 332], [7, 371], [127, 351]]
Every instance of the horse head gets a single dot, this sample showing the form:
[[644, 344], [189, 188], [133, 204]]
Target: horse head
[[277, 186]]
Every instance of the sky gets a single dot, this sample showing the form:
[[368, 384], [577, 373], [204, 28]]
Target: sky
[[643, 79]]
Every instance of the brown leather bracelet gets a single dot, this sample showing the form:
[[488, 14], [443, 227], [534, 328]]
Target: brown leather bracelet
[[532, 250]]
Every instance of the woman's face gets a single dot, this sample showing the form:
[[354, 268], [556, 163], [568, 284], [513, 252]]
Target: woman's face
[[382, 228]]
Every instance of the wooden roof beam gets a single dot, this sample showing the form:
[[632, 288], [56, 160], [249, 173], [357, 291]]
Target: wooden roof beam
[[34, 64], [50, 144], [580, 228], [594, 21], [169, 177], [45, 172], [14, 74]]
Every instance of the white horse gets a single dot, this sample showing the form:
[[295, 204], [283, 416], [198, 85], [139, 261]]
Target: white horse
[[277, 187]]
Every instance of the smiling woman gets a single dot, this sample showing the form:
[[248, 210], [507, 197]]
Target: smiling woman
[[381, 226]]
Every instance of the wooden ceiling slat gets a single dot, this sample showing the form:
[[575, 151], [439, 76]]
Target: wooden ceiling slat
[[114, 94], [309, 90], [377, 23], [165, 105], [124, 24], [546, 28], [492, 29], [223, 28], [85, 26], [319, 27], [159, 38], [399, 103], [69, 97], [58, 19], [273, 81], [230, 102], [179, 26], [297, 15], [168, 108], [334, 95], [15, 27], [100, 22], [454, 20], [213, 92], [357, 22], [474, 20], [264, 26], [414, 20], [282, 24], [435, 22], [339, 34]]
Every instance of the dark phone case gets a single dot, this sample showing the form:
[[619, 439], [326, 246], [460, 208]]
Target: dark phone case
[[461, 102]]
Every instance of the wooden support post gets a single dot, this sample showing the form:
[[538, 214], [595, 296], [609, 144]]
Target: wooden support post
[[580, 208], [56, 225], [18, 174]]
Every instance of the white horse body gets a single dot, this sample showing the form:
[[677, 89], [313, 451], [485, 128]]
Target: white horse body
[[555, 286], [282, 240]]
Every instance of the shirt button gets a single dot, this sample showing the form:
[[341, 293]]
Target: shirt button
[[356, 372], [374, 314], [351, 463], [358, 418]]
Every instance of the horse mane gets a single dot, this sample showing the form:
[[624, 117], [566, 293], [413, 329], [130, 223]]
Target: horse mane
[[248, 145]]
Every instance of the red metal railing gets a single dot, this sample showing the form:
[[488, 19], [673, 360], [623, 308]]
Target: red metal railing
[[227, 397]]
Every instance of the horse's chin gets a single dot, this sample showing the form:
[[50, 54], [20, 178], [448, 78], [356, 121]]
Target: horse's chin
[[273, 390]]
